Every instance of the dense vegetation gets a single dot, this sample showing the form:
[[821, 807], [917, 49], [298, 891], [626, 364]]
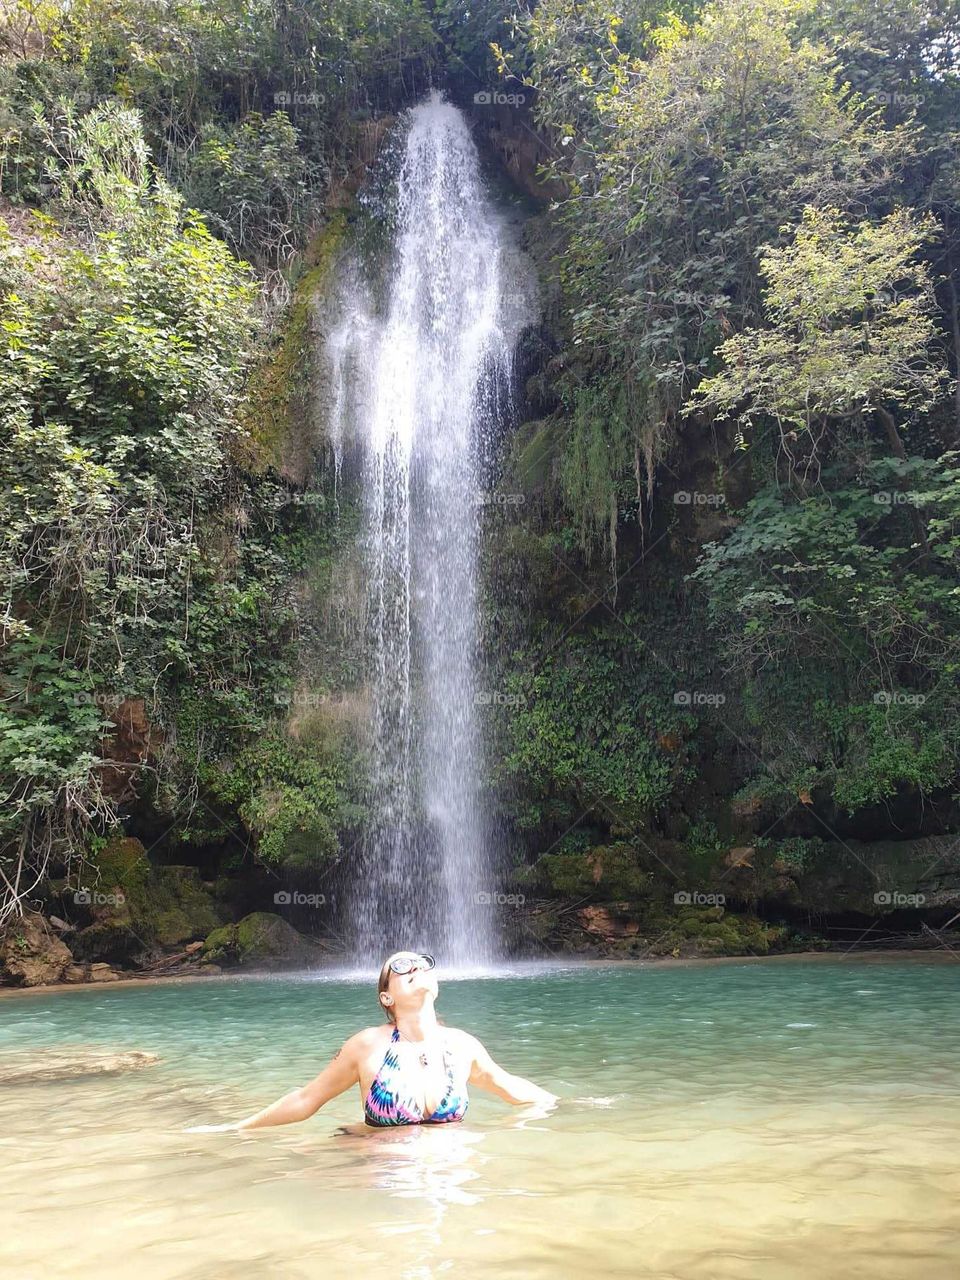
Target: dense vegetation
[[740, 469]]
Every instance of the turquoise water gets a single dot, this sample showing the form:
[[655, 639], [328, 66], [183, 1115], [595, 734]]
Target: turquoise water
[[774, 1119]]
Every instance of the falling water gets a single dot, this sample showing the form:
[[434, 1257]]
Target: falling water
[[423, 382]]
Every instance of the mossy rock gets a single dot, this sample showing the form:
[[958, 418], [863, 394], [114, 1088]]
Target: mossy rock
[[123, 863], [155, 907], [280, 425], [221, 944], [260, 940], [607, 871]]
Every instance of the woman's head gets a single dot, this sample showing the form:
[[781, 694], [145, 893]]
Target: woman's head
[[407, 980]]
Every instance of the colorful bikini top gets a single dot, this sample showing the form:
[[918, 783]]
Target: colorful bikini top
[[388, 1104]]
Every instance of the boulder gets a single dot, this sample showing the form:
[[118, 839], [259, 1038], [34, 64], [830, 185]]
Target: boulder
[[260, 940], [31, 954]]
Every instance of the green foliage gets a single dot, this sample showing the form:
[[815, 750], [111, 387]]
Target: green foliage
[[256, 187], [850, 330], [684, 145], [842, 627], [292, 796], [136, 557], [796, 854], [755, 222], [584, 733]]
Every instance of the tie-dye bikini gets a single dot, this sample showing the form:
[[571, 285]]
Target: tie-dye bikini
[[385, 1104]]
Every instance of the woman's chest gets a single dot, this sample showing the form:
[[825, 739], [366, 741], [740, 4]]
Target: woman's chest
[[421, 1072]]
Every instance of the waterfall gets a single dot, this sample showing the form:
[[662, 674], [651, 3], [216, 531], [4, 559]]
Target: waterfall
[[421, 380]]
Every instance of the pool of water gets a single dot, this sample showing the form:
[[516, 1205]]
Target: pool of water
[[719, 1122]]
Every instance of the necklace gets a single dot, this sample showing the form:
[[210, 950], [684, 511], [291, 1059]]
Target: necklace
[[423, 1056]]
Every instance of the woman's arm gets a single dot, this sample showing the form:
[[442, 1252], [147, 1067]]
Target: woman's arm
[[340, 1073], [489, 1075]]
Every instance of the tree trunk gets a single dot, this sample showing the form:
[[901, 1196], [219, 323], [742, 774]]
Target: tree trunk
[[898, 451]]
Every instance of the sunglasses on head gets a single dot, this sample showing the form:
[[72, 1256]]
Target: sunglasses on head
[[407, 964]]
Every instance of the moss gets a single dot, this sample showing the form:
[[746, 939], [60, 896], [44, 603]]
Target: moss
[[178, 907], [277, 415], [261, 939], [156, 907], [534, 449], [608, 871], [122, 863], [220, 944]]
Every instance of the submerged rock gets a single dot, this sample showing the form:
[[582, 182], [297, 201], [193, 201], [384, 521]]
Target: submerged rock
[[31, 954], [71, 1064]]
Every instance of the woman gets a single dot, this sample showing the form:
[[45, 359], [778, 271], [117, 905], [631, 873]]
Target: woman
[[411, 1071]]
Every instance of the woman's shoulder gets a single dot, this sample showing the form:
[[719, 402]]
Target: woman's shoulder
[[369, 1038], [382, 1031], [462, 1039]]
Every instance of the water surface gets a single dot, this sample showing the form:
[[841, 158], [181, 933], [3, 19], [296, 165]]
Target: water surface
[[775, 1120]]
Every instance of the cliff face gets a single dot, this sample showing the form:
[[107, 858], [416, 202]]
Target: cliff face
[[612, 721], [631, 770]]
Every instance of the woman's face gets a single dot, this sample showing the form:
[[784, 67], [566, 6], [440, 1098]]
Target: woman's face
[[409, 990]]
